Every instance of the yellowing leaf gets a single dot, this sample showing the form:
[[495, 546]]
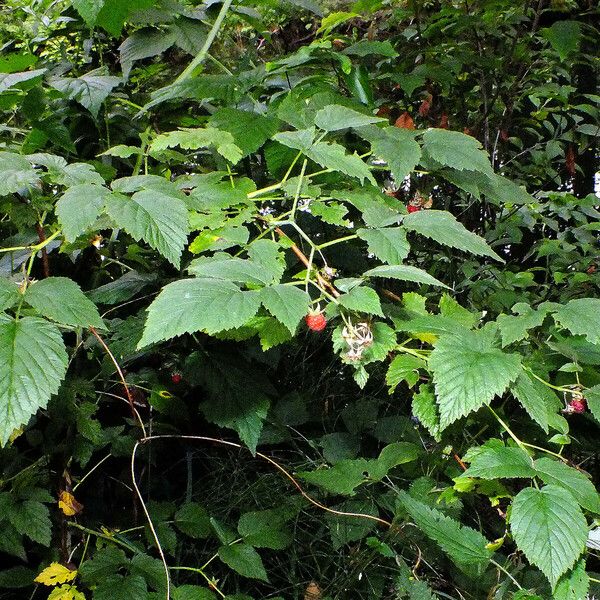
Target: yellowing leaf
[[493, 546], [55, 574], [68, 504], [66, 592], [15, 434], [428, 338]]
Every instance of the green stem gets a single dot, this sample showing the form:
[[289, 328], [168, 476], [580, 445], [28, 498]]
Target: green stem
[[413, 352], [298, 190], [219, 64], [499, 566], [554, 387], [508, 430], [34, 247], [562, 458], [338, 241], [277, 186], [210, 582], [199, 59], [103, 536]]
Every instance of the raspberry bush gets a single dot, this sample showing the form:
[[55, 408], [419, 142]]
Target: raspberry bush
[[299, 300]]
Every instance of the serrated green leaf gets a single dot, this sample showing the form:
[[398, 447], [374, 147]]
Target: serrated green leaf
[[143, 43], [271, 332], [388, 244], [335, 117], [249, 130], [105, 562], [191, 305], [135, 183], [580, 317], [378, 210], [151, 569], [564, 37], [236, 399], [366, 47], [425, 409], [443, 228], [17, 577], [346, 475], [190, 34], [32, 519], [114, 13], [10, 80], [61, 299], [592, 396], [404, 273], [33, 362], [514, 328], [11, 542], [330, 212], [122, 289], [464, 545], [286, 303], [491, 462], [451, 309], [9, 293], [231, 268], [468, 372], [333, 156], [265, 529], [404, 367], [549, 528], [122, 587], [193, 519], [396, 146], [245, 560], [90, 90], [266, 253], [159, 219], [532, 396], [553, 472], [363, 300], [573, 585], [456, 150], [298, 140], [15, 173], [192, 592], [79, 208], [391, 456], [122, 151], [88, 9], [194, 139]]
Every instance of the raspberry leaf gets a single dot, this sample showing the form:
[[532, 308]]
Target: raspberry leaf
[[549, 528], [464, 545], [468, 372], [191, 305], [33, 362], [442, 227]]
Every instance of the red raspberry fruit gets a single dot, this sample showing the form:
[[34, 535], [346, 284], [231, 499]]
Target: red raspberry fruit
[[176, 378], [411, 208], [578, 405], [316, 322]]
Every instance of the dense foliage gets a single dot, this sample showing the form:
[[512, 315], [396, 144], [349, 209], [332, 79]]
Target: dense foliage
[[299, 300]]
